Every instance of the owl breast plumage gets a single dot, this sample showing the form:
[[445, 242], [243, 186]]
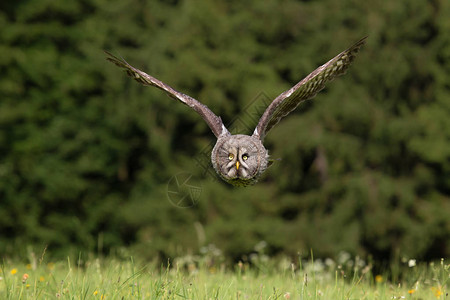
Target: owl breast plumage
[[241, 159]]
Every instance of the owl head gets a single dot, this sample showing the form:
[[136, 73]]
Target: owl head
[[239, 159]]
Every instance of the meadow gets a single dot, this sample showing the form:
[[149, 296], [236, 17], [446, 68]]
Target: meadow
[[203, 277]]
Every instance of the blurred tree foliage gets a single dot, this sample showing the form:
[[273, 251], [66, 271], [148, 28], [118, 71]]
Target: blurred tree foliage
[[86, 154]]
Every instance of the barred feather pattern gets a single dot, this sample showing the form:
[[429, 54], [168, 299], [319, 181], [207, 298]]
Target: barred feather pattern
[[214, 122], [306, 89]]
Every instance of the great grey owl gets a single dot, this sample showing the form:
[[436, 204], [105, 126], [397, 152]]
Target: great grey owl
[[241, 159]]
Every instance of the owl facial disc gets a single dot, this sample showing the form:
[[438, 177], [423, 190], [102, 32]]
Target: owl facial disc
[[239, 159]]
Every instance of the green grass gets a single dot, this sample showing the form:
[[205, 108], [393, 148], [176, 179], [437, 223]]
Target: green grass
[[193, 277]]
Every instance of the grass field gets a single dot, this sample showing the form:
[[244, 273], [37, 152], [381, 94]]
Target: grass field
[[194, 277]]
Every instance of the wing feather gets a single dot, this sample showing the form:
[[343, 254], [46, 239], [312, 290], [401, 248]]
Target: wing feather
[[306, 89], [213, 121]]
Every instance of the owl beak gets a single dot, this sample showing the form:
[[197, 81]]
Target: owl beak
[[237, 165]]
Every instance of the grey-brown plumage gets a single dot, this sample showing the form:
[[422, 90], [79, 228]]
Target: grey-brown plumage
[[306, 88], [241, 159]]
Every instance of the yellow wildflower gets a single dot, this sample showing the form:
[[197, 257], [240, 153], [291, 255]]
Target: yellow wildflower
[[379, 278], [411, 291], [42, 279], [13, 271], [95, 293], [437, 292]]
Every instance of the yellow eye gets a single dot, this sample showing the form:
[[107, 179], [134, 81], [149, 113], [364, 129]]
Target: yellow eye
[[245, 157], [230, 156]]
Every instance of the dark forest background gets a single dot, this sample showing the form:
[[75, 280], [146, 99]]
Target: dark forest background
[[88, 156]]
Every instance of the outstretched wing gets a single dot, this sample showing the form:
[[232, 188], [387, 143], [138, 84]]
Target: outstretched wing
[[214, 122], [306, 89]]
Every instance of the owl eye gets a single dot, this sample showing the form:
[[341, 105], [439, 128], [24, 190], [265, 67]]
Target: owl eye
[[245, 156], [230, 156]]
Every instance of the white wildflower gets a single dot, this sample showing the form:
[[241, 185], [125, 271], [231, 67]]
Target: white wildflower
[[411, 263]]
